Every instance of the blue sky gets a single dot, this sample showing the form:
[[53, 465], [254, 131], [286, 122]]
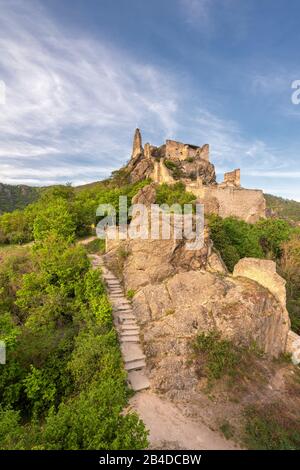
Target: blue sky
[[81, 75]]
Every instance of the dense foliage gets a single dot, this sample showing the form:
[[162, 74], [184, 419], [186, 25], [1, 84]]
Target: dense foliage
[[16, 197], [18, 226], [272, 238], [63, 386], [284, 208], [173, 194]]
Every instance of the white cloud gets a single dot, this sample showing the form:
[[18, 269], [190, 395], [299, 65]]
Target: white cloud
[[72, 104], [71, 96]]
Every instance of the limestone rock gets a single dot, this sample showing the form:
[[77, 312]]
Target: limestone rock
[[173, 312], [264, 272], [137, 147], [140, 168], [152, 261], [293, 347], [146, 195]]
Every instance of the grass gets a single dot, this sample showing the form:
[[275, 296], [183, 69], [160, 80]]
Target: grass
[[271, 427], [215, 357], [130, 294], [174, 168], [95, 246], [227, 429]]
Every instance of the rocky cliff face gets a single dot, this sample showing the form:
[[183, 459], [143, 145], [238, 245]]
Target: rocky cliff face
[[182, 292], [190, 164]]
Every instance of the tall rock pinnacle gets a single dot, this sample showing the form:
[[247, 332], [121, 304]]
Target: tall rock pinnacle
[[137, 143]]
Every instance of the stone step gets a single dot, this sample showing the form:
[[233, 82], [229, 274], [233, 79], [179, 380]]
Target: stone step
[[132, 352], [132, 321], [138, 380], [135, 365], [129, 333], [126, 327], [129, 339], [134, 332], [124, 319]]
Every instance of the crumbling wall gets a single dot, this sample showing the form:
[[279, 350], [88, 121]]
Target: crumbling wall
[[180, 151], [245, 204], [233, 178]]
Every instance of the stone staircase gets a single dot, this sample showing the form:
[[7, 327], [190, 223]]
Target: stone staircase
[[127, 328]]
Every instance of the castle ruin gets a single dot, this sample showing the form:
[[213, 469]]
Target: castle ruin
[[175, 161]]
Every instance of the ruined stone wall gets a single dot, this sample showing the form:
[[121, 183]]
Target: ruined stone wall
[[245, 204], [180, 151], [233, 178]]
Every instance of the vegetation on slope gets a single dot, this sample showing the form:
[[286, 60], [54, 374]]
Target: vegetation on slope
[[17, 226], [284, 208], [244, 374], [63, 386], [16, 197], [272, 239]]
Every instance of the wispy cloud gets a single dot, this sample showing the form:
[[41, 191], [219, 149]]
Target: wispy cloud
[[70, 96], [73, 103], [197, 10]]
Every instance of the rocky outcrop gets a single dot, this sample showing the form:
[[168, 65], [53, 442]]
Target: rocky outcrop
[[146, 195], [176, 161], [183, 292], [173, 312], [264, 272], [137, 147], [293, 347]]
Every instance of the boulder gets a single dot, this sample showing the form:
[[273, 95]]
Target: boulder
[[264, 272], [188, 303]]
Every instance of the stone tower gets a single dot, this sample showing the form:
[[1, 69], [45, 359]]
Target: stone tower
[[137, 144]]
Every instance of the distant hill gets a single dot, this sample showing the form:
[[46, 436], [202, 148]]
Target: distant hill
[[283, 208], [16, 197]]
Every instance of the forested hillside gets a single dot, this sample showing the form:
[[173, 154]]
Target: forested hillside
[[285, 208], [64, 385], [16, 197]]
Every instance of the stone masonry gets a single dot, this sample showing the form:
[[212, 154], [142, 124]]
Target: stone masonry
[[175, 161]]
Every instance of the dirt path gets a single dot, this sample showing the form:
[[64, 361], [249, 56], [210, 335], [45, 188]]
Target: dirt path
[[171, 429]]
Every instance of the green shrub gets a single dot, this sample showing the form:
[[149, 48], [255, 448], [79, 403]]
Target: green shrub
[[95, 246], [215, 357], [173, 194], [174, 168], [234, 239], [269, 427], [130, 294]]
